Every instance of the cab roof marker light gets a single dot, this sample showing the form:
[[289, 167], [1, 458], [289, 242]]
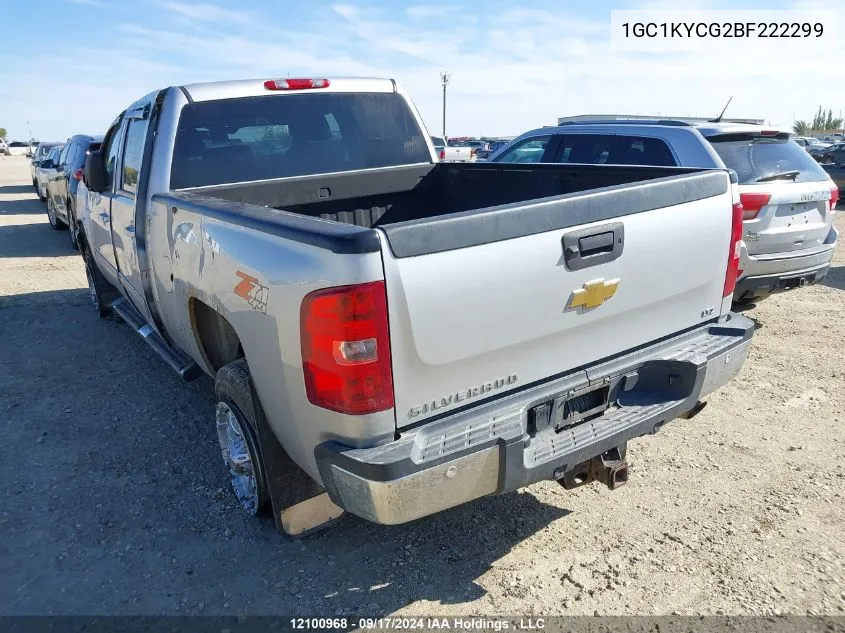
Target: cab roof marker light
[[296, 84]]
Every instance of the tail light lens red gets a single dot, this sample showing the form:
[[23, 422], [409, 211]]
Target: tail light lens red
[[752, 203], [346, 349], [834, 198], [77, 175], [442, 154], [733, 271]]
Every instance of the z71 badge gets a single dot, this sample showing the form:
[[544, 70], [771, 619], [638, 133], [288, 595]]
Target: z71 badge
[[254, 293]]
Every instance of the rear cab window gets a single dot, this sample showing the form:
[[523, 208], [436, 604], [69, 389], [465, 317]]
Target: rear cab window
[[259, 138], [756, 158]]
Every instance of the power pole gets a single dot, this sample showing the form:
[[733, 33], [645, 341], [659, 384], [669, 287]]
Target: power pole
[[444, 79]]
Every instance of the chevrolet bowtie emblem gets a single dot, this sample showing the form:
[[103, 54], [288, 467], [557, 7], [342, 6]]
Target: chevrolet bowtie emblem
[[592, 294]]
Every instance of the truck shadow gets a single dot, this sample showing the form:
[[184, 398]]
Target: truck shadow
[[835, 278], [132, 481], [34, 240], [437, 558]]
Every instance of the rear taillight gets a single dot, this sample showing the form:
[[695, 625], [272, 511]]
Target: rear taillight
[[752, 203], [733, 271], [834, 198], [346, 349], [77, 175], [442, 154], [295, 84]]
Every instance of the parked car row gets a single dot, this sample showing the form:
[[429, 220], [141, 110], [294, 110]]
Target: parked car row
[[788, 199], [391, 335], [465, 150], [57, 170]]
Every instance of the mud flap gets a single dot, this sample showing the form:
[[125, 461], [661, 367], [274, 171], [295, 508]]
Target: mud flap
[[300, 505]]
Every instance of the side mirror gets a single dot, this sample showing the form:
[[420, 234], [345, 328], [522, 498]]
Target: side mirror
[[47, 164], [95, 172]]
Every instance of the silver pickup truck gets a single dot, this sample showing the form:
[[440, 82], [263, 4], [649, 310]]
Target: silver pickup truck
[[391, 335]]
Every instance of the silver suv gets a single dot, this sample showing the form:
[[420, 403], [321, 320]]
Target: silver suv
[[789, 199]]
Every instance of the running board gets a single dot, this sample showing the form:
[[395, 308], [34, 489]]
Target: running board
[[175, 359]]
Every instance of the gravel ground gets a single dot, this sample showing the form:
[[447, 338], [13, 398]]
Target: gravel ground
[[115, 499]]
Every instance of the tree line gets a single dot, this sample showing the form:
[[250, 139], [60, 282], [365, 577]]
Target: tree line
[[824, 121]]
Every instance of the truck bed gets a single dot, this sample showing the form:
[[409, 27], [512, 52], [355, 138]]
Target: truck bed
[[401, 200]]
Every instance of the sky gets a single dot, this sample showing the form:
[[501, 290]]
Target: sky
[[70, 66]]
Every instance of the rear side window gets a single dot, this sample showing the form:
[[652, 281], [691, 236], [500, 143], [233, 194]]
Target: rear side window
[[531, 150], [278, 136], [438, 141], [759, 157], [613, 149]]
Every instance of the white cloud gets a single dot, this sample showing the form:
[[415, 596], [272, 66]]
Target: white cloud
[[208, 13]]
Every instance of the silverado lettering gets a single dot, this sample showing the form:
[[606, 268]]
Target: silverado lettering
[[460, 396]]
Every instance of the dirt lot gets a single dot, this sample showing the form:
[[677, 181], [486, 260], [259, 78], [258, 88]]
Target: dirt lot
[[115, 498]]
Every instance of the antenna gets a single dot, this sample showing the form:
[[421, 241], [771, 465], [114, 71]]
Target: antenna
[[718, 119]]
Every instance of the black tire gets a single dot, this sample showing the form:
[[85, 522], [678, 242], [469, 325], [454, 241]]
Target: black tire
[[35, 184], [232, 388], [102, 293], [55, 223], [73, 227], [38, 191]]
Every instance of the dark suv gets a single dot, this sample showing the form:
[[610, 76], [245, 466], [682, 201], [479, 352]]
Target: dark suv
[[61, 188]]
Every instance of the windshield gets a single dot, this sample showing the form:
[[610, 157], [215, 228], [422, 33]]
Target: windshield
[[758, 157], [258, 138]]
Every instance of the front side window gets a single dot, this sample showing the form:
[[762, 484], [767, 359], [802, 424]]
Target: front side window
[[531, 150], [133, 153], [110, 154]]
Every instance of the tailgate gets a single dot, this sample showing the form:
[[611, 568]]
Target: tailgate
[[488, 301]]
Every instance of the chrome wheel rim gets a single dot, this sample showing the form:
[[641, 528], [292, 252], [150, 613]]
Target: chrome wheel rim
[[237, 457], [51, 213]]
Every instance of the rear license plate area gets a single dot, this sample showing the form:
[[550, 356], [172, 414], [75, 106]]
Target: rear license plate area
[[568, 411]]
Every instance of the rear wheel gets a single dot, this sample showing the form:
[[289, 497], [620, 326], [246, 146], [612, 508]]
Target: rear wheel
[[237, 433], [55, 223], [42, 193]]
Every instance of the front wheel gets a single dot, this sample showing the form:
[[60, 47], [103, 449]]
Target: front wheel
[[237, 433]]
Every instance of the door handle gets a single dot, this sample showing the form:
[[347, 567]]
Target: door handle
[[593, 246]]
